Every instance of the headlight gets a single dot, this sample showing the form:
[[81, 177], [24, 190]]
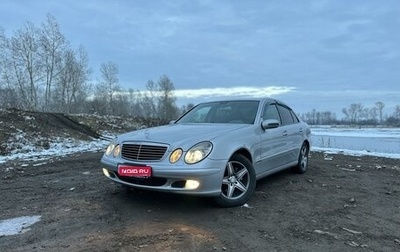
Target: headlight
[[117, 150], [110, 148], [113, 149], [198, 152], [175, 155]]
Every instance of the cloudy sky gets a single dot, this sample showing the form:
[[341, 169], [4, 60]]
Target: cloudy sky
[[321, 54]]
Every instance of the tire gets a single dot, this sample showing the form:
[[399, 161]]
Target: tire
[[238, 183], [302, 164]]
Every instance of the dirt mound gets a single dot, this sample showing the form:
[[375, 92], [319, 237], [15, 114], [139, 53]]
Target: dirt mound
[[70, 124], [22, 131], [22, 128]]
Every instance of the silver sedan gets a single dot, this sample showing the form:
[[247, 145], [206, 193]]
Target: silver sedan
[[217, 149]]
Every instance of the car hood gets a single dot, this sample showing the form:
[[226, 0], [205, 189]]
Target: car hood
[[181, 134]]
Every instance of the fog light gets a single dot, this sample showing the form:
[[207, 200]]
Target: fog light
[[105, 171], [191, 184]]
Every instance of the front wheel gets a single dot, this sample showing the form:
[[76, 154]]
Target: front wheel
[[302, 164], [238, 183]]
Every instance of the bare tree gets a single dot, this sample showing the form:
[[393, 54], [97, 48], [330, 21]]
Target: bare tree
[[72, 77], [368, 116], [79, 85], [396, 113], [380, 105], [121, 101], [134, 102], [353, 112], [64, 83], [26, 64], [8, 94], [327, 117], [52, 44], [394, 120], [186, 108], [148, 101], [166, 101], [346, 113], [3, 54], [39, 70], [108, 85]]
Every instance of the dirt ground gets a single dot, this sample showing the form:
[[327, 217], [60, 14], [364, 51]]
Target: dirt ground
[[342, 203]]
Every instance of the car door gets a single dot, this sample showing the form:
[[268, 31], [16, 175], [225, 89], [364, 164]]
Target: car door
[[291, 132], [273, 141]]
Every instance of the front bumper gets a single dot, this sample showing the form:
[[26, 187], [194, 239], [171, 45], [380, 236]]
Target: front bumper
[[172, 178]]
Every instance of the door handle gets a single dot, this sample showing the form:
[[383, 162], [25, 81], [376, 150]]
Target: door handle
[[301, 130], [284, 133]]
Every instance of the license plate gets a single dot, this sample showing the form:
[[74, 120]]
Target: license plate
[[134, 171]]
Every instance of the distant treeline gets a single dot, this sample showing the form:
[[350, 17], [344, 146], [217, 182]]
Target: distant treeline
[[355, 114]]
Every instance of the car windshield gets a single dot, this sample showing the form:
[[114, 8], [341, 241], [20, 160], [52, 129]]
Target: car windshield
[[239, 112]]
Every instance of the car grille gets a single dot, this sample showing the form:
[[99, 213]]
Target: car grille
[[141, 152]]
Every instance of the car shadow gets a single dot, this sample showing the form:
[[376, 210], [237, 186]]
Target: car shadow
[[276, 179], [160, 200]]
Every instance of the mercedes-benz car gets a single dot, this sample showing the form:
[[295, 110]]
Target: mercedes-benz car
[[217, 149]]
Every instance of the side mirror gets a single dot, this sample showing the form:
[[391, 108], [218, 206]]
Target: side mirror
[[270, 124], [172, 122]]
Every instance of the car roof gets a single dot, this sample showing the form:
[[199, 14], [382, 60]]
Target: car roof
[[262, 100]]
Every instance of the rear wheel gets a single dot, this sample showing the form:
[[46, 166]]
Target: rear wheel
[[238, 183], [302, 164]]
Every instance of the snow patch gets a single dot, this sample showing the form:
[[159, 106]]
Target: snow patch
[[17, 225], [62, 148]]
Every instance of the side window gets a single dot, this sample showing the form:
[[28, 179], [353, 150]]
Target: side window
[[295, 118], [286, 115], [271, 112]]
